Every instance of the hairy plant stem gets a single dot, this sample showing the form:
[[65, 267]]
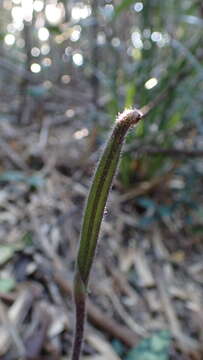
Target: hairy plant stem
[[93, 215]]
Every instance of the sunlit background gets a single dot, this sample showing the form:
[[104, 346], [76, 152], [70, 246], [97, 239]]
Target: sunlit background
[[66, 24], [99, 56], [38, 32], [105, 53]]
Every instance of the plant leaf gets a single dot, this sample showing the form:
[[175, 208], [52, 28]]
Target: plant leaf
[[154, 348], [130, 94], [7, 285], [124, 4], [6, 253], [18, 176]]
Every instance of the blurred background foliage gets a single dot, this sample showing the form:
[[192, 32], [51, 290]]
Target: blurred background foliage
[[87, 60]]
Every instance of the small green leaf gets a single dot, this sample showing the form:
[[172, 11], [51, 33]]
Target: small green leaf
[[35, 181], [145, 221], [6, 253], [154, 348], [173, 121], [55, 30], [164, 210], [122, 6], [130, 95], [140, 129], [146, 203], [18, 176], [198, 212], [7, 285], [27, 239], [37, 91], [197, 229], [11, 176], [118, 347]]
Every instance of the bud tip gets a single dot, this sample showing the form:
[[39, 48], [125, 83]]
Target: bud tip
[[129, 116]]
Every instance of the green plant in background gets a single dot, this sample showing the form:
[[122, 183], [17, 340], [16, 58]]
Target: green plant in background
[[93, 215], [155, 347]]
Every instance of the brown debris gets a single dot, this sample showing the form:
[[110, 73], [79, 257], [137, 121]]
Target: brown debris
[[142, 281]]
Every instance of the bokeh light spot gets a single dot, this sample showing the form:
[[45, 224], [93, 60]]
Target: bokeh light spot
[[46, 62], [54, 13], [9, 39], [43, 34], [35, 51], [70, 113], [35, 68], [38, 5], [75, 34], [78, 59], [65, 79], [138, 6], [80, 11], [151, 83], [45, 49], [81, 133]]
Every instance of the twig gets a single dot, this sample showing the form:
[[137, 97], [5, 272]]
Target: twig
[[16, 69], [185, 342], [12, 155], [95, 316], [11, 333], [127, 318], [154, 150], [146, 186]]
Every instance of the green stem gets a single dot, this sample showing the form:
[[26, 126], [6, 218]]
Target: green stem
[[80, 304], [93, 215]]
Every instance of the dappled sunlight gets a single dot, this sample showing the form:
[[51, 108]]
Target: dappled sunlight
[[151, 83], [38, 5], [27, 9], [75, 33], [80, 134], [80, 11], [138, 6], [35, 68], [46, 62], [54, 13], [66, 79], [35, 51], [9, 39], [137, 40], [43, 34], [70, 113], [45, 49], [78, 59]]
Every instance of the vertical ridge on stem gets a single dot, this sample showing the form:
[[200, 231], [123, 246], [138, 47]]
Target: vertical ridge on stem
[[93, 214]]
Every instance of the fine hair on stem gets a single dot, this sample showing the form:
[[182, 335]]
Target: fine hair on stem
[[92, 218]]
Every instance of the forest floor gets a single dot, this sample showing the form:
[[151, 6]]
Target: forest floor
[[146, 283]]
